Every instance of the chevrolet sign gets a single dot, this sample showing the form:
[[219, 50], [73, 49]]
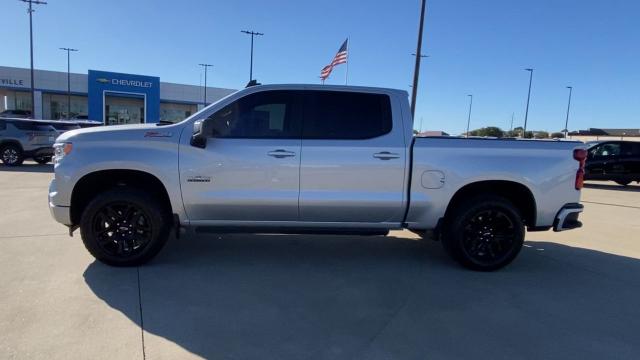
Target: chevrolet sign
[[125, 82]]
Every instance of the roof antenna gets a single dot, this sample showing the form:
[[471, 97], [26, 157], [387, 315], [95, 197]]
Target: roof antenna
[[253, 82]]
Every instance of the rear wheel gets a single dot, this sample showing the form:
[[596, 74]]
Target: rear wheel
[[11, 155], [484, 233], [42, 159], [125, 227], [623, 182]]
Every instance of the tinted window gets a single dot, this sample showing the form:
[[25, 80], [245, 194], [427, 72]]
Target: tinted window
[[31, 126], [263, 115], [608, 149], [630, 149], [345, 115]]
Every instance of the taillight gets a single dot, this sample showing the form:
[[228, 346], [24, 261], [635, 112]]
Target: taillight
[[581, 156]]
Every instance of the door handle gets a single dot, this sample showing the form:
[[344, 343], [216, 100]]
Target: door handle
[[385, 155], [281, 153]]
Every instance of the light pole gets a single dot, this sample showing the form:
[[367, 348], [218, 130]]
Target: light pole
[[252, 33], [204, 99], [526, 113], [469, 118], [566, 122], [416, 71], [30, 11], [511, 127], [68, 50]]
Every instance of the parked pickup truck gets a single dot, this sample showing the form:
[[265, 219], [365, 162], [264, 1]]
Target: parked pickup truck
[[310, 159]]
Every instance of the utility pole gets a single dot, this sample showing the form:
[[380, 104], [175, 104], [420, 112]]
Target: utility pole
[[526, 113], [469, 118], [566, 122], [511, 127], [252, 33], [204, 99], [68, 50], [416, 71], [30, 11]]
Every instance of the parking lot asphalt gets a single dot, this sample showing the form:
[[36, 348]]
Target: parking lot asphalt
[[570, 295]]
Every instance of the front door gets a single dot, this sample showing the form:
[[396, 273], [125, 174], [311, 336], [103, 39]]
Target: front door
[[353, 159], [249, 169]]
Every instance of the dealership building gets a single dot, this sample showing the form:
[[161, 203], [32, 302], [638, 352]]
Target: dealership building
[[108, 97]]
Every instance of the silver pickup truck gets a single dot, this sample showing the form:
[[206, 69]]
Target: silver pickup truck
[[310, 159]]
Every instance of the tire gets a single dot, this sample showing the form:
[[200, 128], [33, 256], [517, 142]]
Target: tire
[[623, 182], [11, 155], [484, 233], [42, 159], [125, 227]]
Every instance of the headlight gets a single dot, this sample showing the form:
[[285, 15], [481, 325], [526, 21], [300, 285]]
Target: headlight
[[60, 150]]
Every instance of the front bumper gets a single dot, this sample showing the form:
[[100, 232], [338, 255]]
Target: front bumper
[[567, 217], [61, 214]]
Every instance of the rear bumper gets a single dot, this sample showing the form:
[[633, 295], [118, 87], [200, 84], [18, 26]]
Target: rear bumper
[[567, 217]]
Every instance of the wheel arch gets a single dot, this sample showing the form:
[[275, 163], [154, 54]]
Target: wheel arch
[[520, 195], [4, 143], [93, 183]]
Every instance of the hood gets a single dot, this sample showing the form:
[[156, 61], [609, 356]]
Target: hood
[[120, 132]]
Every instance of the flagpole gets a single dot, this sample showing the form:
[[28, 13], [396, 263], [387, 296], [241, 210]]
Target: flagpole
[[346, 74]]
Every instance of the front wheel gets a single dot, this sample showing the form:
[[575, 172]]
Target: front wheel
[[125, 227], [484, 233], [623, 182]]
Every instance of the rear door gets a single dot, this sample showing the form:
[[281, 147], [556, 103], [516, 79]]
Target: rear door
[[249, 169], [353, 158]]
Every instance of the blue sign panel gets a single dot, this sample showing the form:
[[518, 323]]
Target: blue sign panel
[[103, 84]]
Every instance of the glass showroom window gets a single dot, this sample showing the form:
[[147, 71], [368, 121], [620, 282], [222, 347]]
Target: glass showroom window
[[15, 100], [176, 112], [54, 106]]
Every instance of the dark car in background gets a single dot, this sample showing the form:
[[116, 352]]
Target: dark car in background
[[21, 139], [617, 161]]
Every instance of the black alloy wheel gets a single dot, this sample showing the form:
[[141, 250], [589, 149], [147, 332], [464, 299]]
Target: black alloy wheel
[[121, 229], [125, 226], [484, 233]]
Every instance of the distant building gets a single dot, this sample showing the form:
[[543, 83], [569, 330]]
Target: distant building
[[599, 134], [108, 97], [432, 133]]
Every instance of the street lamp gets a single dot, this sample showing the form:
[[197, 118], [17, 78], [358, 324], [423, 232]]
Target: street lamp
[[469, 118], [252, 33], [204, 99], [68, 50], [416, 70], [30, 11], [566, 122], [526, 113]]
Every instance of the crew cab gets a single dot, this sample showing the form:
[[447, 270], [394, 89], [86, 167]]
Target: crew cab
[[617, 161], [310, 159]]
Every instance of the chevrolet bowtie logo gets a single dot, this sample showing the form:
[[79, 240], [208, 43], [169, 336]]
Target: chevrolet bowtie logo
[[103, 80]]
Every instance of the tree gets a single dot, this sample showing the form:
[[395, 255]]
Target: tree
[[541, 135], [557, 135], [491, 131]]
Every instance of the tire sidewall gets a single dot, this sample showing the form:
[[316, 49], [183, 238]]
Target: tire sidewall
[[454, 236], [42, 160], [158, 218]]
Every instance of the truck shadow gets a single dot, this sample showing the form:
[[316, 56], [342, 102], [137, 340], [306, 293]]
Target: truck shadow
[[28, 167], [346, 297]]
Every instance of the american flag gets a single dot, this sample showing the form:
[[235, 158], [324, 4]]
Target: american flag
[[340, 58]]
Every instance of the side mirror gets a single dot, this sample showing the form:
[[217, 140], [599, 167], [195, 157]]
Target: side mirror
[[202, 129]]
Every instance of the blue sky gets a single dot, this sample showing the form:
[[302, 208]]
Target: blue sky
[[475, 47]]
